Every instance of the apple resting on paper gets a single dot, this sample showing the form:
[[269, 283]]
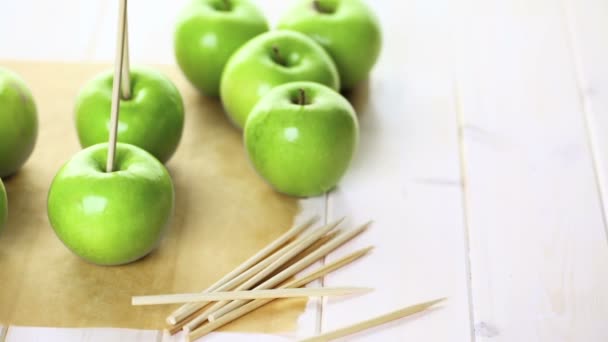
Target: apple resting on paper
[[301, 138], [3, 205], [18, 123], [153, 118], [347, 29], [207, 34], [111, 218], [269, 60]]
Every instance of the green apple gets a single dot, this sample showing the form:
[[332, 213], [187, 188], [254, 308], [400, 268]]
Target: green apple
[[111, 218], [269, 60], [347, 29], [18, 123], [301, 137], [153, 118], [3, 205], [207, 34]]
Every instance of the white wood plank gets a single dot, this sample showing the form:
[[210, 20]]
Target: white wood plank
[[309, 321], [406, 177], [49, 30], [230, 337], [29, 334], [151, 26], [537, 236], [587, 25]]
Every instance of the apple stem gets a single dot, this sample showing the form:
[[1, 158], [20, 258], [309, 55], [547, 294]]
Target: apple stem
[[302, 97], [227, 5], [116, 85], [316, 4], [125, 88], [277, 55]]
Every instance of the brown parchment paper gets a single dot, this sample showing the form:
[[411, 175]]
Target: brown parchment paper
[[224, 214]]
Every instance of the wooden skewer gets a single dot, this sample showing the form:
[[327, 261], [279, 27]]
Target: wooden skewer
[[243, 310], [326, 269], [373, 322], [254, 294], [298, 246], [202, 311], [174, 329], [188, 309], [323, 240], [262, 265], [125, 89], [256, 274], [238, 282], [295, 268], [118, 67]]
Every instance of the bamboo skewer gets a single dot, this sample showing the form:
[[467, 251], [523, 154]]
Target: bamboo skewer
[[125, 89], [174, 329], [201, 311], [373, 322], [189, 309], [320, 272], [116, 85], [256, 274], [295, 268], [254, 294], [256, 269], [295, 248], [243, 310], [323, 240]]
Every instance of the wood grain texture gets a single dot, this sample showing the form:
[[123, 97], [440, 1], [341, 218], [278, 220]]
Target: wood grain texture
[[406, 177], [537, 238], [20, 334], [230, 337]]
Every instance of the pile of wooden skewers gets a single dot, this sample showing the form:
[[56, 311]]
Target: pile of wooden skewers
[[268, 275]]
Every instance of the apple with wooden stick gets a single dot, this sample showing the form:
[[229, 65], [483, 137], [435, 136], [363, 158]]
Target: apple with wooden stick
[[152, 118], [151, 110], [112, 202], [18, 123]]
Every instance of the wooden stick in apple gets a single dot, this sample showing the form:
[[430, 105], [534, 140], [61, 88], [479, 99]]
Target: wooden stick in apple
[[118, 68], [125, 86]]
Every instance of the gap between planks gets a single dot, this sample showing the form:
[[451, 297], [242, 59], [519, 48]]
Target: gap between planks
[[586, 108], [3, 333], [462, 157], [321, 302]]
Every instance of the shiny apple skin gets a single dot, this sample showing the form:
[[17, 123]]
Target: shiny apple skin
[[253, 70], [18, 123], [348, 29], [302, 150], [207, 34], [111, 218]]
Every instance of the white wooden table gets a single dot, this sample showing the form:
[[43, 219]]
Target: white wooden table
[[483, 161]]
